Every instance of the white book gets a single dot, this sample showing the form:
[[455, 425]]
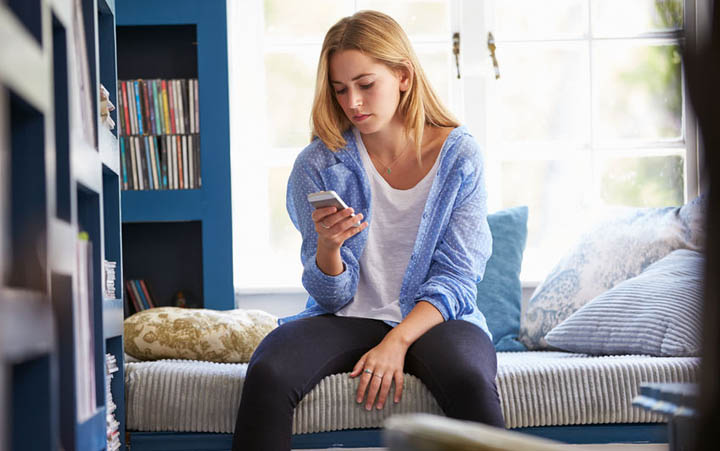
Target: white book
[[181, 104], [132, 105], [191, 106], [156, 179], [85, 346], [130, 151], [138, 158], [191, 162], [173, 157], [197, 106], [176, 103], [185, 162], [168, 161]]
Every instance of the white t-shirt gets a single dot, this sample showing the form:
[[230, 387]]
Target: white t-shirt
[[396, 217]]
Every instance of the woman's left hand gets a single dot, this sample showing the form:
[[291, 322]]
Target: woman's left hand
[[386, 362]]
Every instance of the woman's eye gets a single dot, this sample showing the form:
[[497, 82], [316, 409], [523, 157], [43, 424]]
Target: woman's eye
[[340, 91], [367, 86]]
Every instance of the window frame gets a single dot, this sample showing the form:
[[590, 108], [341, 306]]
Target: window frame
[[252, 159]]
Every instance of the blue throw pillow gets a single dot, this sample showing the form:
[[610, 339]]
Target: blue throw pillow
[[499, 294], [657, 313]]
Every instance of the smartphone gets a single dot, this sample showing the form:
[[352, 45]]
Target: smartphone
[[323, 199]]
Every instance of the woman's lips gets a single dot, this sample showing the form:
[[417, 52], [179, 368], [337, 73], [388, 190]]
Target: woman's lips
[[360, 117]]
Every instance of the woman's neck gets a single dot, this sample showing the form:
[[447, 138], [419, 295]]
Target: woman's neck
[[388, 144]]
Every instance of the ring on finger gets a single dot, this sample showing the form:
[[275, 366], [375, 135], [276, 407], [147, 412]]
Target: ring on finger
[[322, 224], [378, 375], [368, 371]]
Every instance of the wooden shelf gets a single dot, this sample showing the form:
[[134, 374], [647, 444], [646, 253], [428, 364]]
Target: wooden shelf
[[162, 205], [63, 11], [107, 5], [28, 73], [112, 318], [86, 167], [109, 149], [27, 328], [62, 244]]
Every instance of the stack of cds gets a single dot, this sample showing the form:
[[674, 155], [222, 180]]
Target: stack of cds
[[109, 279], [113, 433]]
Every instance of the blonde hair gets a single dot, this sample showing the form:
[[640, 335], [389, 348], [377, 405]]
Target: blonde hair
[[378, 36]]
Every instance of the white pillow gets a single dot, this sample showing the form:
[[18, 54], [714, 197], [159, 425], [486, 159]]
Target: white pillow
[[657, 313], [229, 336], [614, 251]]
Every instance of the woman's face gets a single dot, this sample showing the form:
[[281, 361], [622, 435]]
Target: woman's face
[[368, 91]]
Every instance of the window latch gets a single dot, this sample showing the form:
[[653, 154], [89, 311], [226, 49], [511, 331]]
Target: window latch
[[456, 51], [491, 47]]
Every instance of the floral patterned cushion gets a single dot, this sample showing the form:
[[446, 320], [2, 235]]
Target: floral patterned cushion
[[229, 336], [614, 251]]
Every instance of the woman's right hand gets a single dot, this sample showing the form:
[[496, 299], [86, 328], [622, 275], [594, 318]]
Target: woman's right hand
[[334, 227]]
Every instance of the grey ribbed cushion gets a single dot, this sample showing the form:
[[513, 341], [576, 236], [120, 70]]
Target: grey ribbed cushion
[[536, 389], [656, 313]]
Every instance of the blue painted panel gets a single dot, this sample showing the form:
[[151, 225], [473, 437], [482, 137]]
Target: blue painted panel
[[88, 211], [163, 205], [29, 14], [107, 7], [62, 300], [106, 45], [112, 225], [602, 433], [28, 197], [32, 405], [89, 10], [91, 433], [577, 434], [167, 441], [213, 206], [215, 155], [63, 209]]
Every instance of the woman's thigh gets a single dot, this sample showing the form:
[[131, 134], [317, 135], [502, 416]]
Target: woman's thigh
[[301, 352], [456, 360]]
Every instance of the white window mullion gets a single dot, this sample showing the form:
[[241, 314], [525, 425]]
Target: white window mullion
[[695, 20], [594, 193]]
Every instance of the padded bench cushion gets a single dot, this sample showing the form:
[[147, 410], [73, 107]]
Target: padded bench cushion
[[536, 389]]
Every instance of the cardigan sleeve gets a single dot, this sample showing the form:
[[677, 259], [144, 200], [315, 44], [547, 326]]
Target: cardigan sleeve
[[330, 292], [459, 258]]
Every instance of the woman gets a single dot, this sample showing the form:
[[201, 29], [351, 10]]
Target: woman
[[397, 293]]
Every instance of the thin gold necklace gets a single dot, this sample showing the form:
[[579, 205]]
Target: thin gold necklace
[[387, 167]]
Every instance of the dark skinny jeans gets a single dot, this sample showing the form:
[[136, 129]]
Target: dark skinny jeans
[[455, 360]]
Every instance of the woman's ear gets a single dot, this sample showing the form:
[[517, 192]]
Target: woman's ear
[[405, 74]]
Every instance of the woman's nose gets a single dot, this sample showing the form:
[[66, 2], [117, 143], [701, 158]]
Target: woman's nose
[[356, 101]]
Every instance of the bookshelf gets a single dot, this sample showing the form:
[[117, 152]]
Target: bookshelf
[[58, 177], [181, 239]]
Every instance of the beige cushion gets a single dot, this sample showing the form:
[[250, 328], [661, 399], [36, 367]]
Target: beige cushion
[[198, 334]]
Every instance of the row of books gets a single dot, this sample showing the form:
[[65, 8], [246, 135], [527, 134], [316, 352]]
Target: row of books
[[84, 323], [158, 107], [113, 425], [139, 294], [109, 279], [160, 162]]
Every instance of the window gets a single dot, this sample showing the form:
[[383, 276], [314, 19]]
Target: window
[[589, 111], [282, 68]]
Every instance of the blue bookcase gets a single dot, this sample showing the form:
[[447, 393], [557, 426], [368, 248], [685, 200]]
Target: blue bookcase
[[181, 240], [55, 181]]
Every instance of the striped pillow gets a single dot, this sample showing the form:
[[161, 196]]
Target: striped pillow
[[656, 313]]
